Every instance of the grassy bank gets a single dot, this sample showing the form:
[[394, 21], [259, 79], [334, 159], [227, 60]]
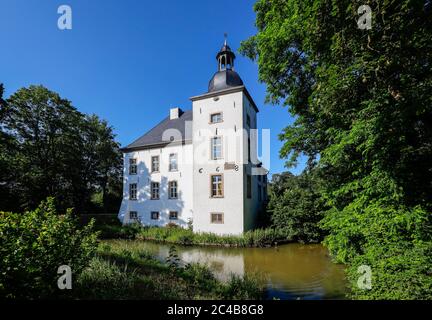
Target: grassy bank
[[121, 270], [177, 235]]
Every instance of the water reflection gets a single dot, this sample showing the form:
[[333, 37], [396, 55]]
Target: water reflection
[[291, 271]]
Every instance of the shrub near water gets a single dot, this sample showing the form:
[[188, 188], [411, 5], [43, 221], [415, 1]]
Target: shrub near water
[[253, 238], [34, 244]]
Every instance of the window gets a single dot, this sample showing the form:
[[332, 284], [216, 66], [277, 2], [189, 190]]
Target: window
[[155, 190], [216, 218], [216, 148], [133, 191], [216, 117], [132, 166], [133, 215], [154, 215], [172, 189], [155, 164], [259, 193], [249, 186], [248, 122], [173, 215], [216, 186], [173, 162]]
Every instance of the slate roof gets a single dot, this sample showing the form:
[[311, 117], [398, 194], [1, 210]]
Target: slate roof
[[154, 136]]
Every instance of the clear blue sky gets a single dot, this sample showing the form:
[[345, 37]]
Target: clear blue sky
[[130, 61]]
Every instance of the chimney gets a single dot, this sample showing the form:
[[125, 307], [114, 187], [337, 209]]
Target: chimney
[[175, 113]]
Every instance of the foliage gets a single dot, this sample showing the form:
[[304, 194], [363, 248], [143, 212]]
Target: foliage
[[34, 244], [296, 206], [50, 149], [363, 113], [122, 270], [253, 238]]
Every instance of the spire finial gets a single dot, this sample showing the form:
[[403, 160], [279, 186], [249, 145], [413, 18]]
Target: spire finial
[[225, 36]]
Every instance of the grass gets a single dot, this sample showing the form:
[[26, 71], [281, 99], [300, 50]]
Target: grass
[[122, 270], [177, 235]]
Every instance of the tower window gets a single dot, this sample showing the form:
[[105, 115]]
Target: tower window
[[155, 163], [173, 162], [133, 191], [248, 120], [155, 190], [216, 186], [216, 148], [132, 166], [217, 218], [173, 189], [216, 117]]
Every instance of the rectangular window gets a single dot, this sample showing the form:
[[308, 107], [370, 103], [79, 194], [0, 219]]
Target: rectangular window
[[133, 191], [173, 215], [248, 122], [216, 117], [217, 218], [216, 186], [155, 190], [216, 148], [154, 215], [172, 185], [173, 162], [133, 215], [132, 166], [155, 163], [249, 186]]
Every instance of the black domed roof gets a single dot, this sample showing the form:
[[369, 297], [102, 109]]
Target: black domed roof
[[224, 79]]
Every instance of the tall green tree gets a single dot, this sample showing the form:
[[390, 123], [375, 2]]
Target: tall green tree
[[362, 103], [60, 152], [296, 206]]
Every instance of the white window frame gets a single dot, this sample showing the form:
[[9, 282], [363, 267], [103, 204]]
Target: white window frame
[[213, 147], [153, 164], [133, 191], [173, 158], [154, 190], [217, 221], [133, 167], [173, 189]]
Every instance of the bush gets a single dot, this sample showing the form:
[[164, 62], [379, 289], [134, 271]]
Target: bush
[[296, 206], [34, 244]]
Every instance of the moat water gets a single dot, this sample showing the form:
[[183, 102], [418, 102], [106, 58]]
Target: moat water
[[290, 271]]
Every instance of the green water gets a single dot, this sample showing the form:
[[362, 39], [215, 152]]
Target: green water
[[291, 271]]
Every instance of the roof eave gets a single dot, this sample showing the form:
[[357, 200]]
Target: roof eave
[[226, 91]]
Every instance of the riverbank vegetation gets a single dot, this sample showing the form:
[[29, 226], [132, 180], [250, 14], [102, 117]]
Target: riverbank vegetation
[[176, 235], [362, 107], [36, 243]]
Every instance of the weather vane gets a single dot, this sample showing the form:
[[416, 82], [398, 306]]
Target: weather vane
[[225, 36]]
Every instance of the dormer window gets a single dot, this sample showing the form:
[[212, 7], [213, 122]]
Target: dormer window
[[216, 117]]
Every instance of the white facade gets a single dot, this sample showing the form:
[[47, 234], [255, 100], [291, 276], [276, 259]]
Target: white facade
[[218, 182]]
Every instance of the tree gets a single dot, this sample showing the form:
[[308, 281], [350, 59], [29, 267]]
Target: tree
[[363, 112], [60, 152], [296, 206]]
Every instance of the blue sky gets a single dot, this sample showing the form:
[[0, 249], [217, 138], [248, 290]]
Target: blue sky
[[130, 61]]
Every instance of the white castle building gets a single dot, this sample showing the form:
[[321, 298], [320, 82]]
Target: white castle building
[[199, 167]]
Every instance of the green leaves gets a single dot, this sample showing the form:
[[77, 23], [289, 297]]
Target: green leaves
[[362, 105], [34, 244], [54, 150]]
